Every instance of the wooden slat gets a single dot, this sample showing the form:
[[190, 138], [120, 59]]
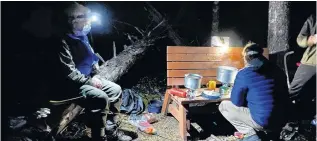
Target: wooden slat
[[181, 73], [180, 81], [193, 57], [201, 65], [206, 50], [205, 57]]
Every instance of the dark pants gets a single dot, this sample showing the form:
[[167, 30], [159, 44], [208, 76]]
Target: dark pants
[[303, 89], [99, 102], [303, 81]]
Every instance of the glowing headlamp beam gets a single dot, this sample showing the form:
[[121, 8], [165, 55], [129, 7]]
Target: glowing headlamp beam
[[94, 18]]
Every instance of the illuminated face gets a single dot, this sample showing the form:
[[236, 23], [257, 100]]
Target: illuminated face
[[79, 22], [78, 19]]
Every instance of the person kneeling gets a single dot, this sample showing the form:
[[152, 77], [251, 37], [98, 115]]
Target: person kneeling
[[257, 97]]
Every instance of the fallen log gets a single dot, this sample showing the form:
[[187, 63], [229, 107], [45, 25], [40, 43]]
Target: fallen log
[[114, 68], [67, 116]]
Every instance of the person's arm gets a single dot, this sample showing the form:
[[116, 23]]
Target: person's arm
[[68, 66], [239, 90], [304, 35]]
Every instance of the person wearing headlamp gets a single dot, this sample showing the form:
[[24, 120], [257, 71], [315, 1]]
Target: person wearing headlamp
[[258, 96], [79, 67]]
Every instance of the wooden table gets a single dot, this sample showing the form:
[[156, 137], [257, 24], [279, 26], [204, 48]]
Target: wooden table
[[181, 108]]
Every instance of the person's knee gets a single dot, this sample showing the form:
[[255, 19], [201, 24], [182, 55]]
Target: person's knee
[[103, 98], [115, 89], [225, 109], [224, 106]]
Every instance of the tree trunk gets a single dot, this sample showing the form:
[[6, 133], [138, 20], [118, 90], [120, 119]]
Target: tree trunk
[[215, 19], [278, 31]]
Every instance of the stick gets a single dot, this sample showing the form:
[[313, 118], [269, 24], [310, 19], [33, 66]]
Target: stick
[[114, 49]]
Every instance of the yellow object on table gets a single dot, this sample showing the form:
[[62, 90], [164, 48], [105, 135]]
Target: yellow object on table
[[211, 85]]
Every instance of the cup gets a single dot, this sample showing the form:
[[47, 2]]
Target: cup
[[211, 85]]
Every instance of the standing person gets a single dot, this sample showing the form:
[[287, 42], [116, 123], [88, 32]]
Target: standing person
[[303, 85], [307, 38], [258, 96], [78, 65]]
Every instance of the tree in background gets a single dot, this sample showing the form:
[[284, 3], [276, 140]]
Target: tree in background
[[278, 30]]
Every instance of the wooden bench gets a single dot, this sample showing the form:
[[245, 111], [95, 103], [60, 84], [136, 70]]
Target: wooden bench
[[200, 60]]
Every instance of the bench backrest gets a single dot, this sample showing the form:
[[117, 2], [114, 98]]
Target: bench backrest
[[201, 60]]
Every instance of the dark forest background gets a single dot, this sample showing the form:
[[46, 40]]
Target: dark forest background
[[27, 31]]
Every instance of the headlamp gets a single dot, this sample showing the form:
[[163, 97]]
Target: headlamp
[[94, 18]]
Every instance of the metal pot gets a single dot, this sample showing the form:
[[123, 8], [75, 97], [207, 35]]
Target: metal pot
[[193, 81], [226, 74]]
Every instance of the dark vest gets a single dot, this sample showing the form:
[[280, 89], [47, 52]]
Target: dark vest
[[82, 52]]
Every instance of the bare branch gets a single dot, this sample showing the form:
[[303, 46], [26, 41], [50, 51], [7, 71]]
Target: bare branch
[[135, 27], [129, 37], [163, 21], [114, 49]]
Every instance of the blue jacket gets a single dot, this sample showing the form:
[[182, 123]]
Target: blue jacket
[[263, 91]]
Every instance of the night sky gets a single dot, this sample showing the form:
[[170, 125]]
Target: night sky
[[26, 31]]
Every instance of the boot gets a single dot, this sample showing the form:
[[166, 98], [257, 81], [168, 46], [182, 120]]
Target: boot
[[98, 134], [118, 135]]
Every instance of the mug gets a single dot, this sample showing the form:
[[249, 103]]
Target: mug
[[211, 85]]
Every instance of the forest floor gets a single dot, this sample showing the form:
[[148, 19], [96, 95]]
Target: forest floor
[[167, 130], [210, 127]]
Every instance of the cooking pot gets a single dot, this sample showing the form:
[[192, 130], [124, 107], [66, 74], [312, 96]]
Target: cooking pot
[[226, 74], [193, 81]]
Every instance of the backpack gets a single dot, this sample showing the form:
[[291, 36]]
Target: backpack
[[132, 103]]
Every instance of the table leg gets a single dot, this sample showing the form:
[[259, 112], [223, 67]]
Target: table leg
[[167, 99], [183, 122]]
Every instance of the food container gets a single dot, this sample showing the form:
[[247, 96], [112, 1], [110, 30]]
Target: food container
[[193, 81], [226, 74], [210, 94], [178, 92]]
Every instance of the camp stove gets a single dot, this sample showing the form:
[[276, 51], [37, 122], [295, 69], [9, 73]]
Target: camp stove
[[190, 94], [226, 75]]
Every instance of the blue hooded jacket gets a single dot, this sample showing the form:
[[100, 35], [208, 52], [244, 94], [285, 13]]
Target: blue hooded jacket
[[263, 90]]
